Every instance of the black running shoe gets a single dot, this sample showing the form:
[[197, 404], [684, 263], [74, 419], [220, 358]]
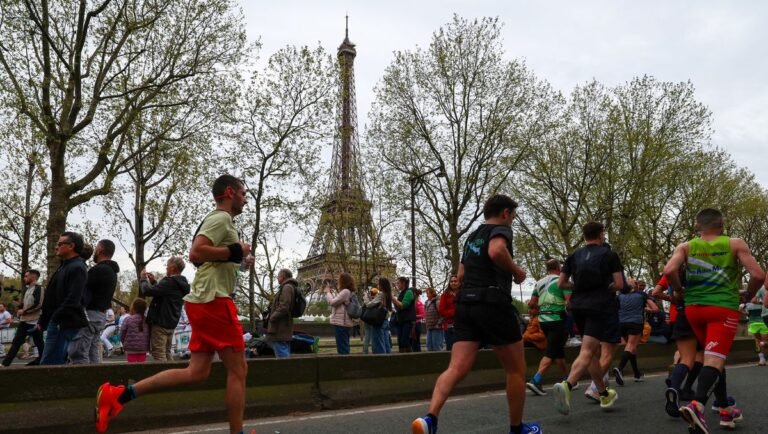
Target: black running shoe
[[619, 376], [535, 388], [672, 407]]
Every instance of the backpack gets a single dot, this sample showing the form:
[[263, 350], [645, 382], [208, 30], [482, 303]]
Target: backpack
[[590, 273], [299, 304], [354, 309]]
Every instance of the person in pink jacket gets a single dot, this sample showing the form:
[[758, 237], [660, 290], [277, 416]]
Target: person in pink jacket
[[134, 333], [339, 316]]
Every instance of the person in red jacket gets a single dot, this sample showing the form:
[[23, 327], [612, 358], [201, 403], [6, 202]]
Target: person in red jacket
[[447, 308]]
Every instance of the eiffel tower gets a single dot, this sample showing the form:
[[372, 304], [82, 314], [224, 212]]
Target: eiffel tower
[[346, 239]]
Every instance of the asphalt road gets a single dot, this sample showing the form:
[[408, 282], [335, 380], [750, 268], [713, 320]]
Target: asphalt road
[[639, 409]]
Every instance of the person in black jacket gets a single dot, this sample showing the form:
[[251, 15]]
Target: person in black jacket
[[63, 311], [102, 282], [165, 309]]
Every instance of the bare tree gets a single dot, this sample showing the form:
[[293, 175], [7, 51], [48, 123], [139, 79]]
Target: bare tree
[[460, 107], [82, 73]]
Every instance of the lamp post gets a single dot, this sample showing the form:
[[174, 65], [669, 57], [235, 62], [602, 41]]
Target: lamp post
[[415, 182]]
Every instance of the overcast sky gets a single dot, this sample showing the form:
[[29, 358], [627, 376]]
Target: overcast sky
[[718, 45]]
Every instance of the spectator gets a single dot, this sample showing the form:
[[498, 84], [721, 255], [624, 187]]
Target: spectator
[[418, 326], [102, 281], [110, 329], [382, 300], [5, 323], [433, 321], [406, 314], [339, 316], [280, 324], [63, 311], [165, 309], [28, 316], [447, 309], [367, 298], [135, 333]]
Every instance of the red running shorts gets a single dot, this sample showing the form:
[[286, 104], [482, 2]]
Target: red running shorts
[[214, 326], [714, 327]]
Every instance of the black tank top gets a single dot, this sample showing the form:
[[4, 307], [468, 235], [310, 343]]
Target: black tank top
[[479, 270]]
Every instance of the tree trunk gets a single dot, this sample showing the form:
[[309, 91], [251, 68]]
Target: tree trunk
[[58, 207]]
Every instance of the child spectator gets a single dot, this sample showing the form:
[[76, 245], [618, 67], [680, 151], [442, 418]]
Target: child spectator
[[134, 333]]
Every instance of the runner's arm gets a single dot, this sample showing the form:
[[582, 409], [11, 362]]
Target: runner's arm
[[564, 282], [499, 254], [651, 306], [203, 250], [673, 266], [618, 280], [534, 301], [756, 273], [659, 293]]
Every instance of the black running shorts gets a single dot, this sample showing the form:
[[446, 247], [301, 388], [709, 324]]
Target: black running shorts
[[489, 324], [630, 329], [603, 326], [556, 337], [681, 328]]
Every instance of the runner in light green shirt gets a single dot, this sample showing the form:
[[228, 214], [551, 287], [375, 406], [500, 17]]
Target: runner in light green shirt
[[215, 279]]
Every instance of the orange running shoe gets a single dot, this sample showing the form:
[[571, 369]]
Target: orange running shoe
[[107, 405]]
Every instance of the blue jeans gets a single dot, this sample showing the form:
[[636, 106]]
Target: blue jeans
[[380, 340], [56, 344], [342, 340], [282, 349], [435, 339], [387, 336]]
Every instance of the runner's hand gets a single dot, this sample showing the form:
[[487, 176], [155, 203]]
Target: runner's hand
[[246, 248]]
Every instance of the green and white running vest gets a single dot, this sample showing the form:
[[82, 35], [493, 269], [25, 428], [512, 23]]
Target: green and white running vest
[[713, 276]]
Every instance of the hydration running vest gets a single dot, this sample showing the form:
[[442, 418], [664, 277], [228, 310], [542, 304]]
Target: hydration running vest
[[713, 275]]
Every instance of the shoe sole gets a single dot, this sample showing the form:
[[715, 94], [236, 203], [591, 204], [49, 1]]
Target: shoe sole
[[727, 425], [419, 426], [535, 390], [694, 424], [618, 376], [672, 407], [96, 411], [561, 401]]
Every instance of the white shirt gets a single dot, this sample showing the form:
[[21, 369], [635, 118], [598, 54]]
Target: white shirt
[[5, 319]]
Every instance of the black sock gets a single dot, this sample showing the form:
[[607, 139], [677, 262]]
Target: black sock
[[633, 361], [693, 376], [128, 395], [604, 392], [570, 386], [624, 359], [721, 391], [678, 376], [515, 429], [707, 381]]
